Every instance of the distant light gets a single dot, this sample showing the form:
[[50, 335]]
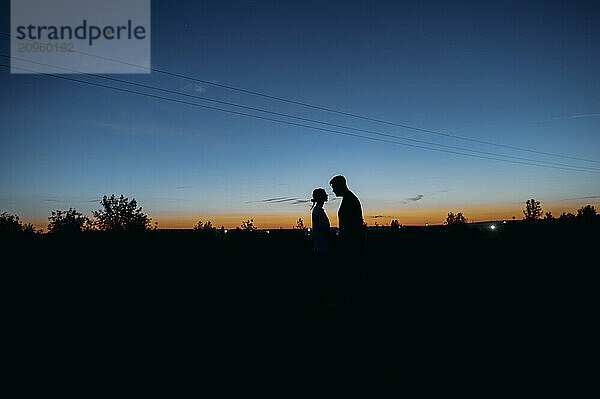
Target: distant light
[[308, 230], [504, 222], [426, 224], [225, 231], [493, 227], [267, 231]]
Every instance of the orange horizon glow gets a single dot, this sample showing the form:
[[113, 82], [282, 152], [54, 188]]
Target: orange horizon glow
[[406, 217]]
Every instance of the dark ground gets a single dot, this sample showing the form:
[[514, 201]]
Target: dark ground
[[442, 312]]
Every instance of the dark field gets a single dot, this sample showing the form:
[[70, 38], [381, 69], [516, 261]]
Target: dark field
[[440, 312]]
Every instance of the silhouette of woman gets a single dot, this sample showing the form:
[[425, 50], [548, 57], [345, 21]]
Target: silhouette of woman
[[320, 223], [322, 245]]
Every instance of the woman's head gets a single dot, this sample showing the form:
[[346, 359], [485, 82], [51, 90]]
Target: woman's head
[[319, 196]]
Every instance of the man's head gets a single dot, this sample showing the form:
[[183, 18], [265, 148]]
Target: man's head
[[338, 185]]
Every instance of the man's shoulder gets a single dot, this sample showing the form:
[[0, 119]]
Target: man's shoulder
[[353, 199], [350, 199]]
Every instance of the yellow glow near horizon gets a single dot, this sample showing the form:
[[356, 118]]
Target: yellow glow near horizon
[[406, 217]]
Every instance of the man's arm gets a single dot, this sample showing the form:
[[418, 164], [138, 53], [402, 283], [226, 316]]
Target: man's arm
[[357, 219]]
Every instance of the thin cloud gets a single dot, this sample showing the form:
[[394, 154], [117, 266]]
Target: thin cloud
[[418, 197], [69, 200], [584, 116], [275, 200], [576, 116], [198, 88], [581, 198], [291, 200]]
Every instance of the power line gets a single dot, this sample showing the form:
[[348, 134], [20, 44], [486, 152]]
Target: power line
[[301, 118], [293, 123], [576, 169], [321, 108]]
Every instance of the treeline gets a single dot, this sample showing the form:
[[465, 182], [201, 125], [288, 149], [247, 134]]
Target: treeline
[[119, 214], [533, 213]]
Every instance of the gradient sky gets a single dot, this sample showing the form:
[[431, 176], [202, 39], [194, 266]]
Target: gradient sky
[[519, 74]]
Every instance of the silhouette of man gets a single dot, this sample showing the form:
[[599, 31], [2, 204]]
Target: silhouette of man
[[351, 252]]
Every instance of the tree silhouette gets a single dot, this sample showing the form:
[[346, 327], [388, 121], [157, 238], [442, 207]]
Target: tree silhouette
[[300, 224], [455, 220], [548, 216], [207, 226], [533, 210], [29, 228], [395, 225], [69, 221], [248, 225], [587, 214], [567, 218], [10, 223], [120, 214]]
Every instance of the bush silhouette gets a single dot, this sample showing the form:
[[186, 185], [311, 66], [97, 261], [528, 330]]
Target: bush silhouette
[[248, 225], [69, 221], [29, 228], [587, 214], [567, 218], [207, 226], [300, 224], [11, 224], [455, 220], [120, 214]]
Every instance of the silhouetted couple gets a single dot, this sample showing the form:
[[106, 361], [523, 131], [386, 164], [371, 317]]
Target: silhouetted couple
[[339, 263]]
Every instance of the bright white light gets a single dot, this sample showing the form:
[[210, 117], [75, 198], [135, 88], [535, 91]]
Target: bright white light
[[504, 222], [493, 227], [309, 230], [267, 231], [225, 231]]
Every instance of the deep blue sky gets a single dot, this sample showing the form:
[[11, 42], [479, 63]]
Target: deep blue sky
[[512, 73]]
